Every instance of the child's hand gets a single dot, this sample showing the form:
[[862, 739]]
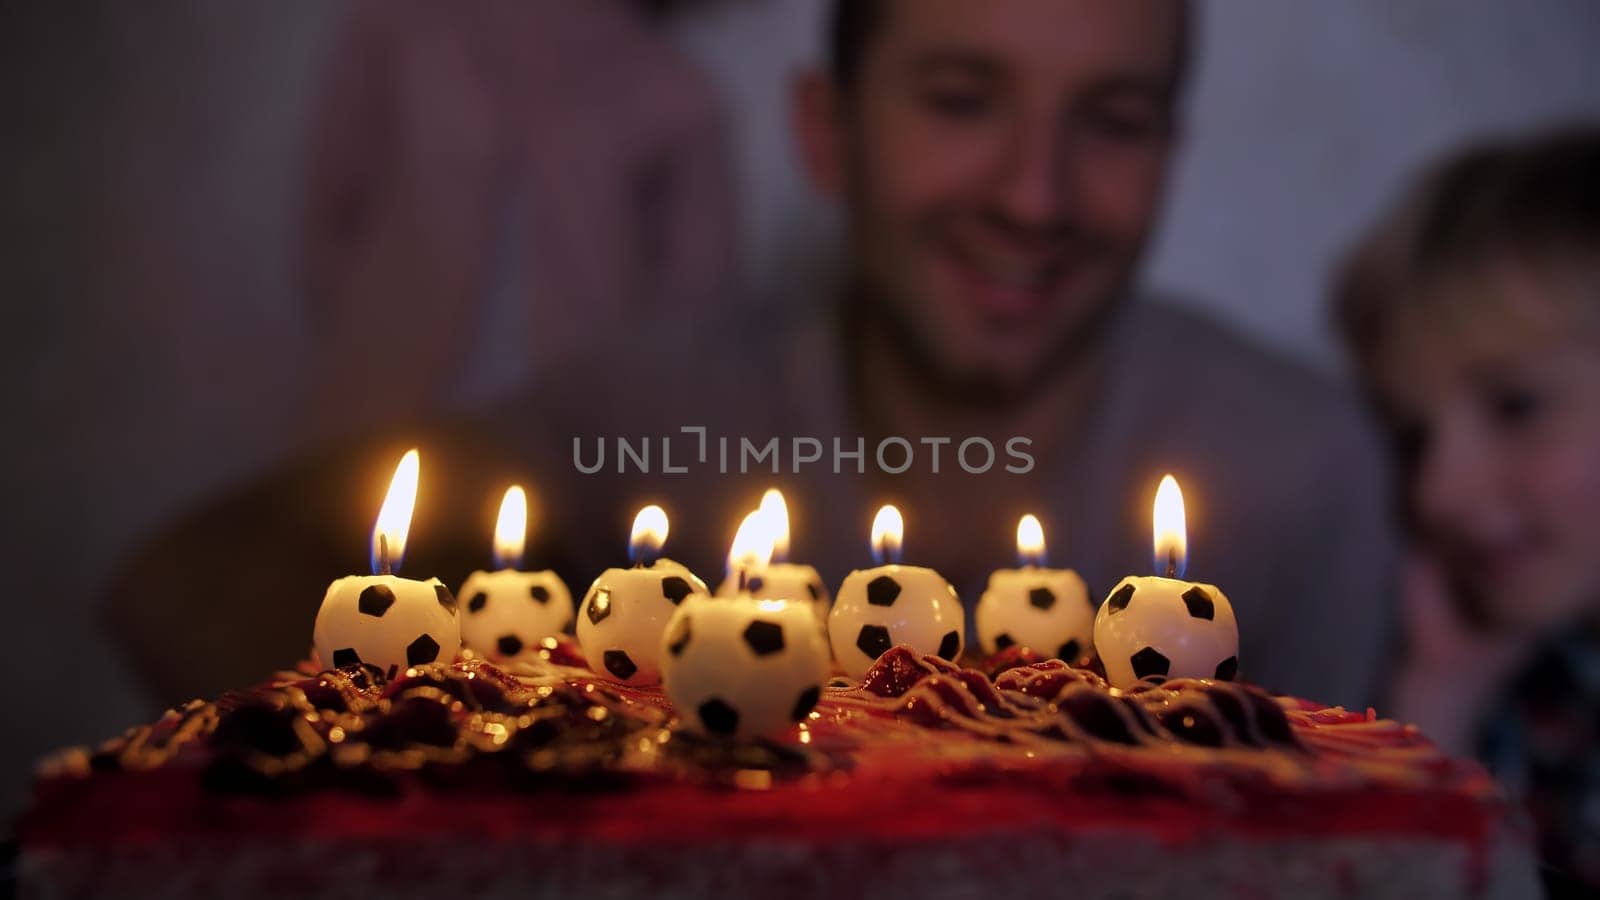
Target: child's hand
[[1437, 637], [1451, 671]]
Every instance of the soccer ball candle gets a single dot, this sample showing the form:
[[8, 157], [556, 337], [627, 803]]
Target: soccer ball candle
[[742, 667], [738, 666], [1155, 626], [383, 620], [892, 604], [623, 615], [780, 579], [1047, 610], [509, 612]]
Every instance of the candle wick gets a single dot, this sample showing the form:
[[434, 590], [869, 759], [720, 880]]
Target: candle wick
[[741, 579], [383, 554], [1172, 564]]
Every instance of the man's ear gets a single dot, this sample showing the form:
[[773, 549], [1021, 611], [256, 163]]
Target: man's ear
[[816, 111]]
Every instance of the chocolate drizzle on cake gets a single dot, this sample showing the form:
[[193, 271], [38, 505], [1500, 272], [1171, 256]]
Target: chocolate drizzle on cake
[[550, 723], [1053, 699]]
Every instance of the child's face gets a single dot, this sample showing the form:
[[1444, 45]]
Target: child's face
[[1499, 422]]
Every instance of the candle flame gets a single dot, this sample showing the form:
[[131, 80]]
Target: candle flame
[[1030, 541], [1171, 532], [511, 529], [774, 507], [394, 517], [752, 545], [649, 533], [888, 530]]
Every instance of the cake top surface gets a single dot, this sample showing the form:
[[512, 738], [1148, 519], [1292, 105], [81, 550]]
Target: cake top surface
[[918, 741]]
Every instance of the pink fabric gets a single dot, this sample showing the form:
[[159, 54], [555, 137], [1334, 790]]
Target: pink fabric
[[435, 118]]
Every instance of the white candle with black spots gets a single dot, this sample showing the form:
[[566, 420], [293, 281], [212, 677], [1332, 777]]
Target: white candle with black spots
[[781, 579], [507, 613], [1155, 626], [740, 665], [1046, 610], [891, 604], [625, 611], [382, 620]]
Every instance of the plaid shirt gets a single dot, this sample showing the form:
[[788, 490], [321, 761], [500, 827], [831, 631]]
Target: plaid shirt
[[1543, 742]]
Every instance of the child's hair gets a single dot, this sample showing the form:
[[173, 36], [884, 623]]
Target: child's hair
[[1530, 206]]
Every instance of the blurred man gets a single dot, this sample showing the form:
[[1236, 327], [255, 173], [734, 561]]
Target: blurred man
[[1001, 166]]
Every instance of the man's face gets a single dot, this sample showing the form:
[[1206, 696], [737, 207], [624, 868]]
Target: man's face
[[1002, 163]]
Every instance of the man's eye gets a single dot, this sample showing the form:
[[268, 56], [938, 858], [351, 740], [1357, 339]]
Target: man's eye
[[1410, 441], [1514, 407], [1124, 125], [957, 104]]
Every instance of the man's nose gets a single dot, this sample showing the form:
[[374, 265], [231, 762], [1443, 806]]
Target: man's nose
[[1033, 182]]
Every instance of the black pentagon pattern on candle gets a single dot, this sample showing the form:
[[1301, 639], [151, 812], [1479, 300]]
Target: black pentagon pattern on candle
[[346, 656], [950, 646], [1199, 603], [873, 640], [806, 703], [478, 602], [1003, 640], [619, 664], [1228, 669], [765, 638], [883, 591], [1118, 601], [375, 600], [673, 588], [755, 584], [1069, 651], [1042, 598], [539, 593], [445, 598], [718, 717], [422, 650], [680, 637], [509, 645], [1148, 662], [599, 606]]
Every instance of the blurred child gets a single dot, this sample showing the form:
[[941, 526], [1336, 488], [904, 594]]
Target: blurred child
[[1473, 314]]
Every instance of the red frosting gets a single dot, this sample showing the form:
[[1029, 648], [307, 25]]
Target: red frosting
[[921, 748]]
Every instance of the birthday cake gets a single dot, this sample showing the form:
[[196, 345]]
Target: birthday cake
[[686, 745], [1015, 776]]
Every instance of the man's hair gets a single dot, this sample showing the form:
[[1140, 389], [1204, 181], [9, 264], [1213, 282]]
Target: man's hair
[[1530, 204], [854, 22]]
